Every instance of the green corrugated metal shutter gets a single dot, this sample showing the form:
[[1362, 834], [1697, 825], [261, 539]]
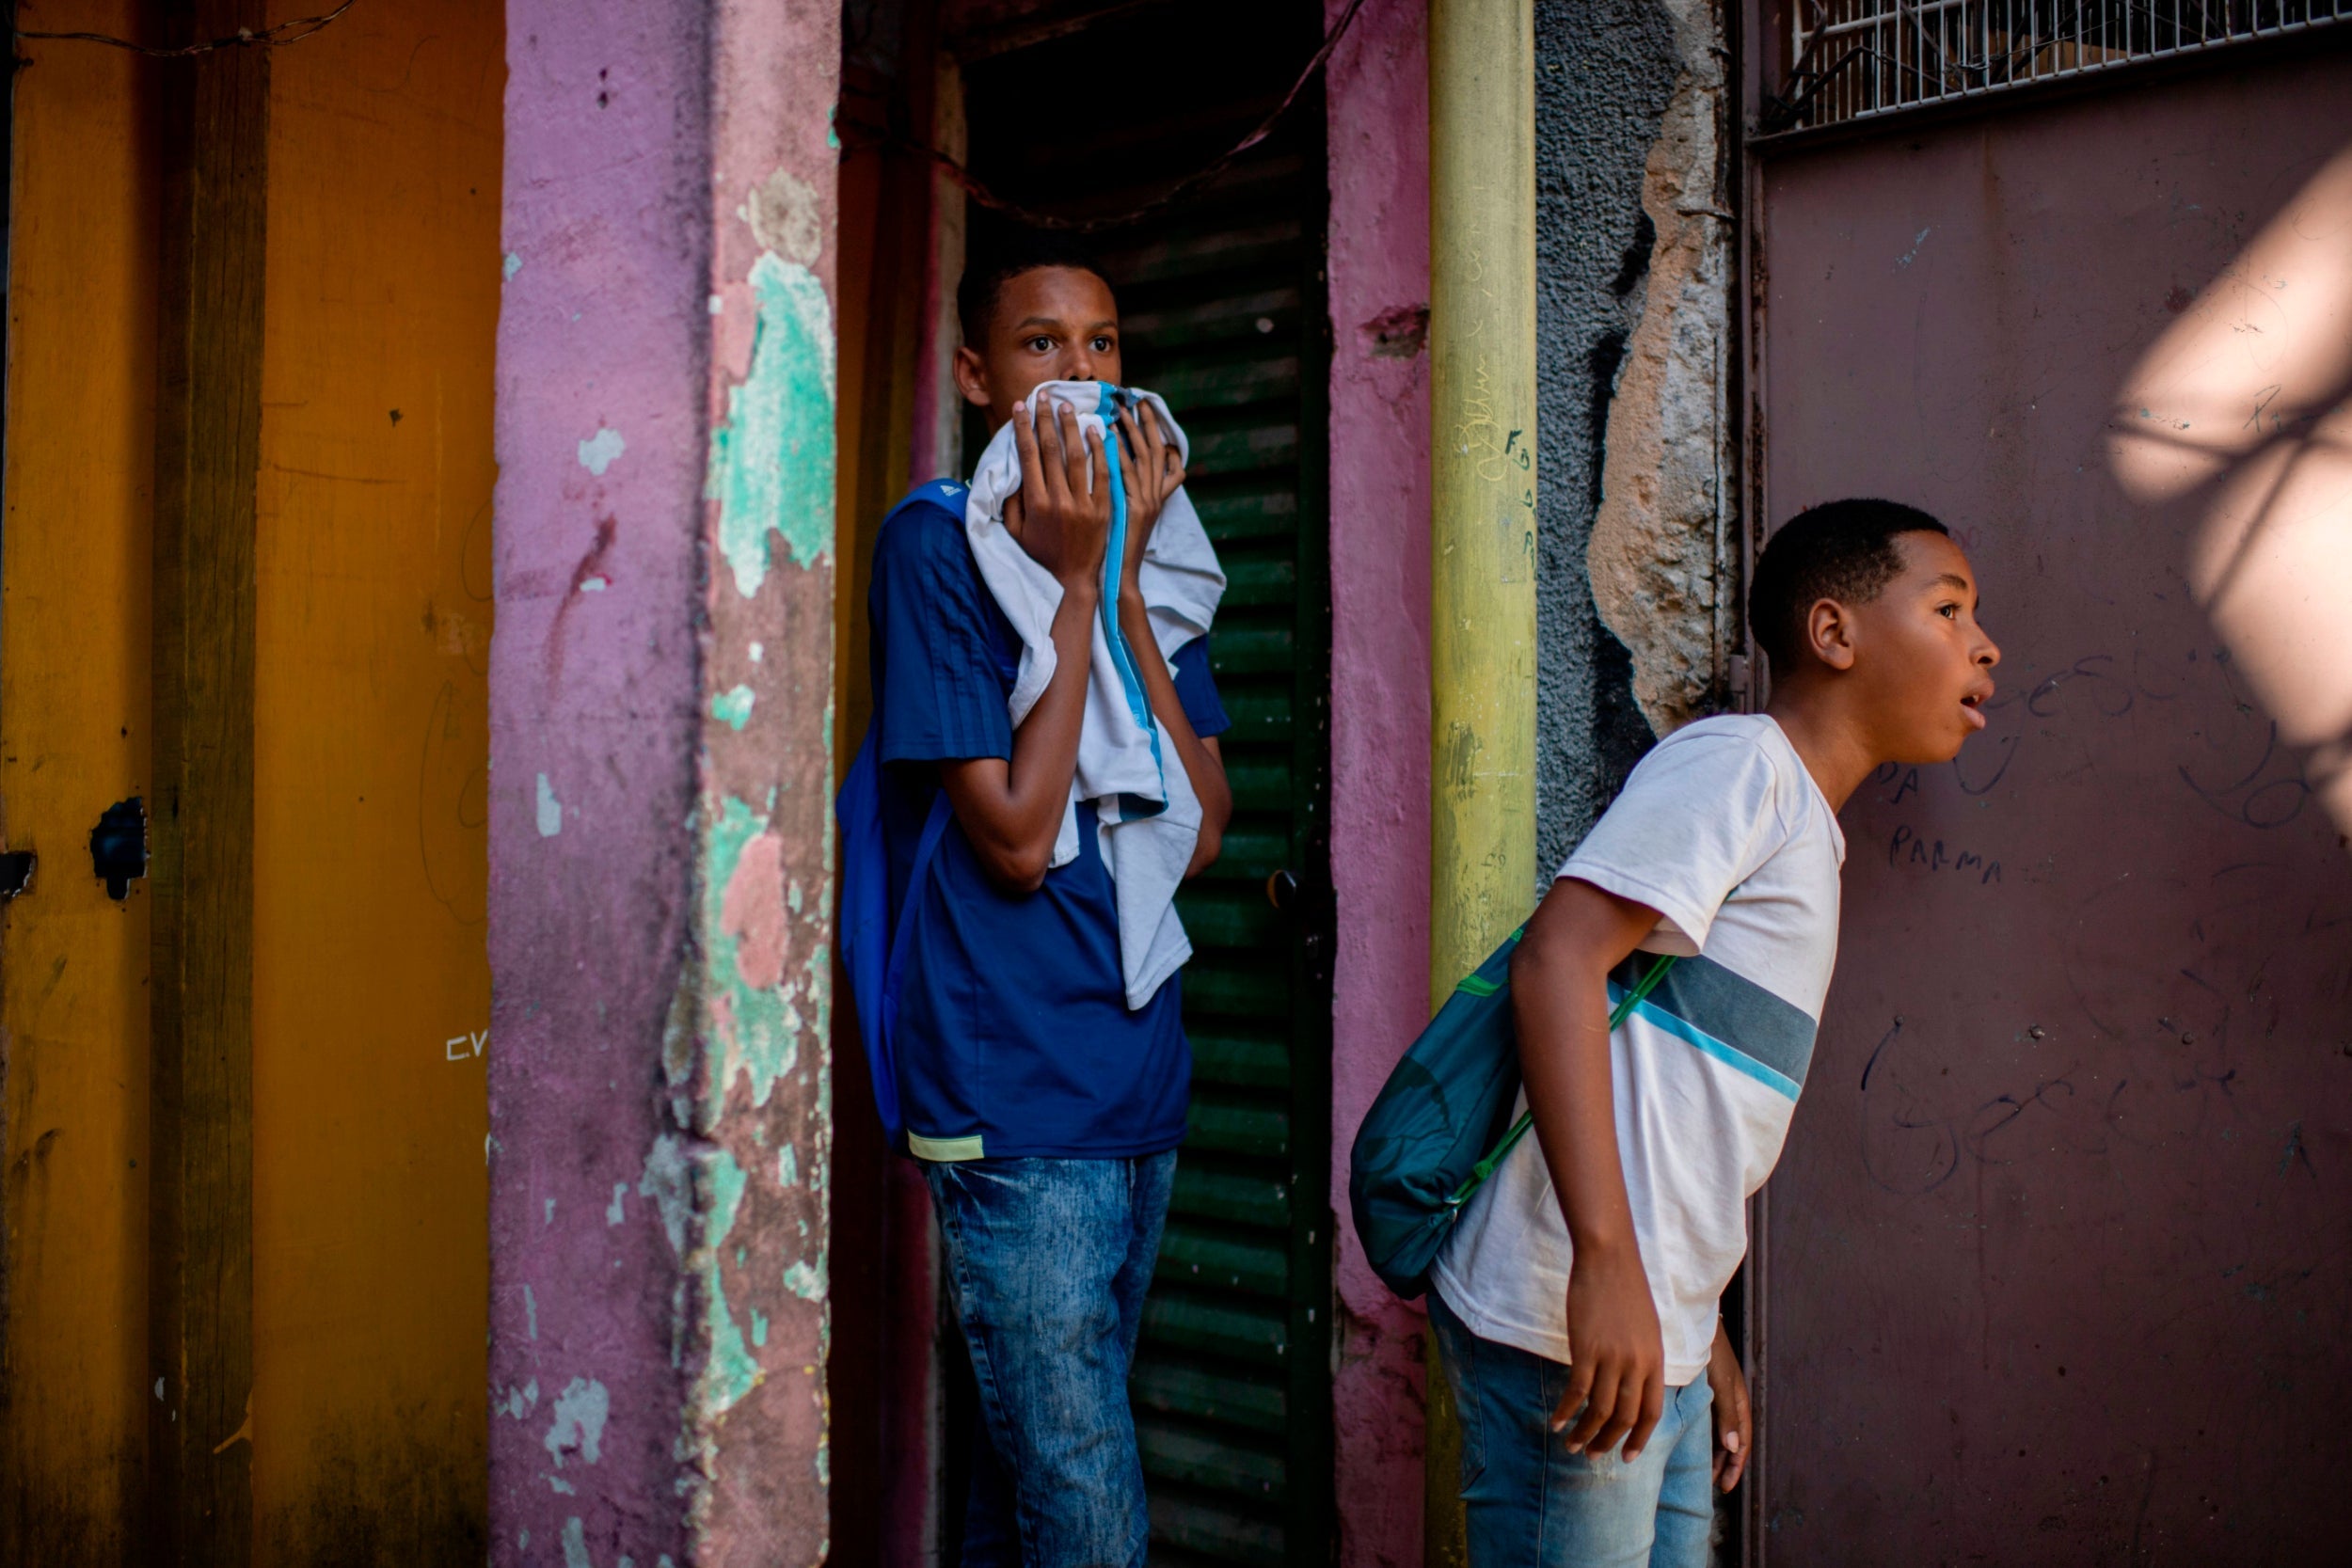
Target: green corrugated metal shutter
[[1222, 308], [1224, 317]]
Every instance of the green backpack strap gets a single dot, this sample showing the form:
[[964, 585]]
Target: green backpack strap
[[1486, 1167]]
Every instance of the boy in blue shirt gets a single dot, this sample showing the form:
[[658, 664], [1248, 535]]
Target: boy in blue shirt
[[1045, 1113]]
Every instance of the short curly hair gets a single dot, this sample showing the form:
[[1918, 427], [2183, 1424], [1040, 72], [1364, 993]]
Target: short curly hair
[[1006, 257], [1842, 550]]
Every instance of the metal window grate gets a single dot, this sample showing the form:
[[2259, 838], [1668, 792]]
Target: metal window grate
[[1860, 58]]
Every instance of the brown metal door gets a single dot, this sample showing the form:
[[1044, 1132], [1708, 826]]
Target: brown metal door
[[2057, 1266]]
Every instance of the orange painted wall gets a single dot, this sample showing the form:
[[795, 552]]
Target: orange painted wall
[[74, 683], [371, 984]]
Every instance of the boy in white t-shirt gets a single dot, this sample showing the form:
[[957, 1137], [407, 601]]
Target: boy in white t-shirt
[[1576, 1302]]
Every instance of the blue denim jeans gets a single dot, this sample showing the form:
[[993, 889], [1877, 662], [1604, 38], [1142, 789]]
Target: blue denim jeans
[[1049, 1260], [1533, 1504]]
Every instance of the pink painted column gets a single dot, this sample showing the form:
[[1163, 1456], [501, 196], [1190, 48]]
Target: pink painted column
[[660, 840], [1378, 117]]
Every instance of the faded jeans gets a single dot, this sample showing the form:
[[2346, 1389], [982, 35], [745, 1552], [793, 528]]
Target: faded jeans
[[1049, 1259], [1531, 1504]]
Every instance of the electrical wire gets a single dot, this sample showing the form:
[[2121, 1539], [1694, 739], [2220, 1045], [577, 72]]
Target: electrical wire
[[277, 36]]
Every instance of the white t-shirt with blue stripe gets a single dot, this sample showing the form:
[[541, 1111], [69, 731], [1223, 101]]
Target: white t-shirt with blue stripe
[[1722, 831]]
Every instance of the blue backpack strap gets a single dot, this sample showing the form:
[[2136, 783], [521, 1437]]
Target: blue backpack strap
[[874, 947], [926, 850], [877, 971], [863, 933]]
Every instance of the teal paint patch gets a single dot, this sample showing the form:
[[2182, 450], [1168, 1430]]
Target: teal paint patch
[[804, 1281], [733, 707], [576, 1545], [580, 1412], [771, 463], [759, 1327], [758, 1027], [731, 1372]]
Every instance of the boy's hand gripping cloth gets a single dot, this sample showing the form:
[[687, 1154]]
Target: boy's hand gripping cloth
[[1146, 814]]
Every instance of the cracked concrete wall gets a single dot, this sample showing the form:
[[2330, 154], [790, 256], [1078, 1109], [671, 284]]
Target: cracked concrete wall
[[1625, 89], [1658, 545]]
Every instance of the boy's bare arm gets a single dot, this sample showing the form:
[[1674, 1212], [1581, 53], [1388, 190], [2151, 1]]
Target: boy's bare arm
[[1010, 811], [1560, 1004]]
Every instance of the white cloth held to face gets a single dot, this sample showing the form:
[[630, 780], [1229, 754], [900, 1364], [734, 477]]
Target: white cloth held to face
[[1147, 815]]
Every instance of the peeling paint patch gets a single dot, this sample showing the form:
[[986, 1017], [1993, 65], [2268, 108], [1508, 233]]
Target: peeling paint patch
[[680, 1049], [787, 1167], [759, 1327], [754, 1011], [593, 585], [803, 1282], [576, 1545], [787, 216], [550, 810], [512, 264], [563, 1487], [530, 1314], [733, 706], [598, 452], [772, 463], [731, 1372], [518, 1402], [668, 1183], [757, 651], [580, 1412], [613, 1212]]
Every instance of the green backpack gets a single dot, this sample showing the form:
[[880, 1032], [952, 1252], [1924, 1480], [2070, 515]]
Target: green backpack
[[1437, 1129]]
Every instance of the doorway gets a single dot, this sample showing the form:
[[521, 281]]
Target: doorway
[[1221, 295]]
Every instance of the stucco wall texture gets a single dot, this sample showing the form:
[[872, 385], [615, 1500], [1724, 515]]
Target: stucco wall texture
[[1605, 70], [660, 841], [1666, 542]]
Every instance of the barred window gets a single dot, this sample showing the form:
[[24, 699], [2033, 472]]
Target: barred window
[[1859, 58]]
